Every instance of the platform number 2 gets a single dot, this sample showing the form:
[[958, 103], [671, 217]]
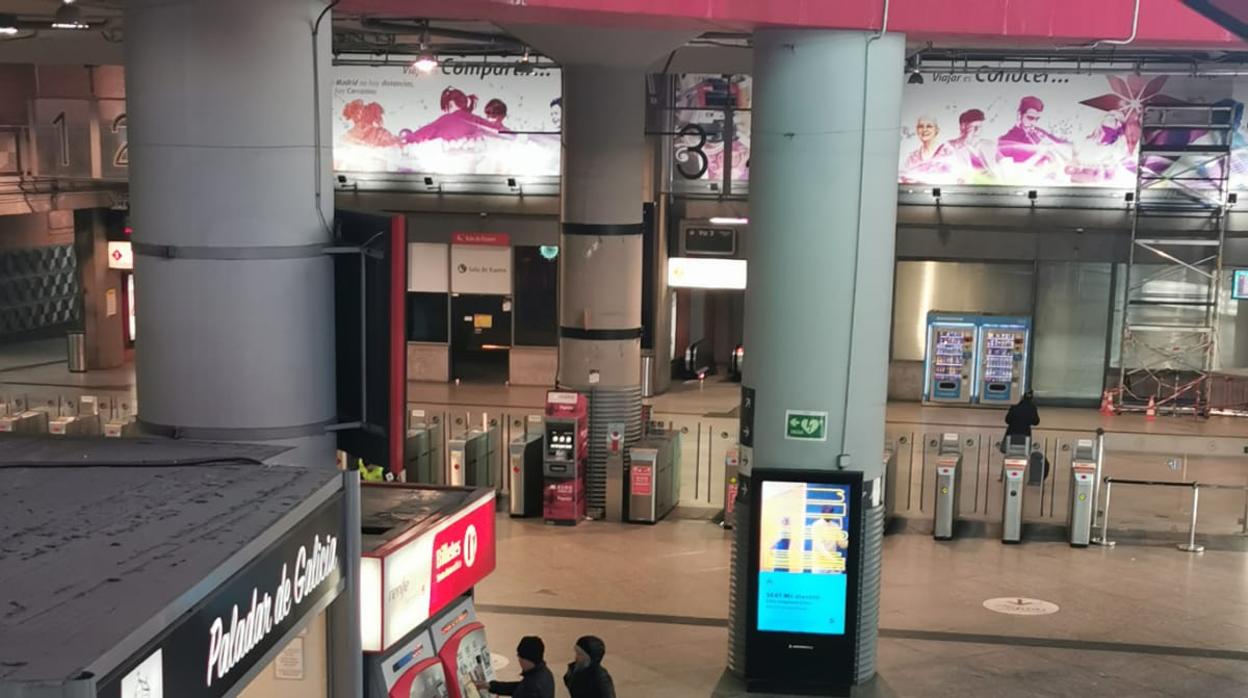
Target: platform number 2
[[121, 157]]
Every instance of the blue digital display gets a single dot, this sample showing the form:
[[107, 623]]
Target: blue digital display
[[803, 551], [1239, 285]]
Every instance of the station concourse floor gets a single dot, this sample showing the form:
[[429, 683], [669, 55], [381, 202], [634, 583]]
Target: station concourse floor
[[1133, 620]]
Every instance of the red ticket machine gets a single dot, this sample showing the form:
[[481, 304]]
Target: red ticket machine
[[565, 456], [459, 639]]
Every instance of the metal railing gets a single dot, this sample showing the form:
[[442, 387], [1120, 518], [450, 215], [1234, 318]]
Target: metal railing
[[1190, 546]]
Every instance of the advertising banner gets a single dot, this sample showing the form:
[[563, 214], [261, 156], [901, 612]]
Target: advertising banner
[[1042, 129], [465, 118], [702, 102]]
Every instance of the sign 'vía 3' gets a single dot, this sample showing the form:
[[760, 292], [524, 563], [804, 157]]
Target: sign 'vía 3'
[[206, 652]]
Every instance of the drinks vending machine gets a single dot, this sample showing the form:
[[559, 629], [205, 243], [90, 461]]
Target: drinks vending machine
[[1002, 360], [947, 372], [565, 457]]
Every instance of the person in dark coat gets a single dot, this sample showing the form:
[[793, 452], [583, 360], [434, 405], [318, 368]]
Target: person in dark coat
[[1022, 417], [586, 677], [536, 681]]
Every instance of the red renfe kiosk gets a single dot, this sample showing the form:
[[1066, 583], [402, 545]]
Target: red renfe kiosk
[[564, 457], [424, 550]]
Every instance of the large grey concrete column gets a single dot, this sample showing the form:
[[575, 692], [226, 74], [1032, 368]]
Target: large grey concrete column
[[235, 297], [600, 271], [823, 204]]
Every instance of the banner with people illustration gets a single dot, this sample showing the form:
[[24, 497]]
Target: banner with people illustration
[[1041, 129], [467, 117]]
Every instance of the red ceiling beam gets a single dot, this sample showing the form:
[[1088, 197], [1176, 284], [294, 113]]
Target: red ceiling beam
[[1163, 23]]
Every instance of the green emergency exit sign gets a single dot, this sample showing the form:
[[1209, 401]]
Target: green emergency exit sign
[[806, 426]]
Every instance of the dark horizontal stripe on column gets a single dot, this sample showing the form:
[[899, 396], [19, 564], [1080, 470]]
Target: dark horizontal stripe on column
[[234, 433], [601, 229], [582, 333], [147, 249]]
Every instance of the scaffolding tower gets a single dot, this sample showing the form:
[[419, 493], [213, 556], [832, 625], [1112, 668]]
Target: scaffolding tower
[[1169, 308]]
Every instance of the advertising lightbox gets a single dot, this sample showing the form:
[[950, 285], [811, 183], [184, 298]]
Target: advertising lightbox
[[468, 117]]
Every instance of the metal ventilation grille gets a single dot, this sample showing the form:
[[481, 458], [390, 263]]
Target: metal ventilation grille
[[38, 289], [738, 581], [607, 405], [869, 592]]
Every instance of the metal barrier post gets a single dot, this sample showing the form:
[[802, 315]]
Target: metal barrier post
[[1103, 539], [1190, 546]]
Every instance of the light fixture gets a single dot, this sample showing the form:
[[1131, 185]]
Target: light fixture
[[936, 193], [8, 25], [726, 220], [916, 78], [525, 66], [426, 62], [69, 16]]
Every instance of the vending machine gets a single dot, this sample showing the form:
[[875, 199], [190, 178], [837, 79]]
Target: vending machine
[[1001, 371], [948, 367], [459, 640], [414, 671], [565, 457]]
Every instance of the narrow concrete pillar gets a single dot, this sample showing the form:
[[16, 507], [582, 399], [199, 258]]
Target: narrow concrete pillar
[[600, 270], [823, 204], [103, 311], [236, 322]]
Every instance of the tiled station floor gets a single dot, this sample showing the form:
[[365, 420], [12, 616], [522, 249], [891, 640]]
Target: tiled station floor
[[1133, 620]]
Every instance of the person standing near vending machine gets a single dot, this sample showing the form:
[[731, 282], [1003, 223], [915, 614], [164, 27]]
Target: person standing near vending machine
[[536, 681], [586, 677]]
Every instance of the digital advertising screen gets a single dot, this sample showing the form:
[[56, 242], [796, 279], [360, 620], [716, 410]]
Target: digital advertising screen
[[804, 547], [1239, 285]]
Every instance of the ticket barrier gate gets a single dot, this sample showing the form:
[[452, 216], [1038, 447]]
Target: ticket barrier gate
[[471, 458], [948, 486], [1082, 493], [124, 428], [84, 422], [1014, 479], [422, 453], [16, 420], [653, 477], [524, 472]]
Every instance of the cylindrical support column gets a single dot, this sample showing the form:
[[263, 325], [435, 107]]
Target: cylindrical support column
[[600, 270], [235, 295], [823, 205]]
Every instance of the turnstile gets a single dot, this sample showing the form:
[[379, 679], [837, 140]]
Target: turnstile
[[653, 477], [123, 428], [16, 419], [1082, 493], [85, 421], [524, 472], [1014, 474], [422, 454], [732, 466], [472, 456], [948, 484]]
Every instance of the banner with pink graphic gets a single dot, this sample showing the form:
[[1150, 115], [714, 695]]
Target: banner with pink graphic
[[1038, 129], [465, 118]]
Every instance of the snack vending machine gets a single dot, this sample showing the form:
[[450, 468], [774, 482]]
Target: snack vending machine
[[948, 375], [565, 456], [1002, 360]]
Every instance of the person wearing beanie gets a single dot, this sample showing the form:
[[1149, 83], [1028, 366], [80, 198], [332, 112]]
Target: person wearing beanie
[[586, 677], [536, 681]]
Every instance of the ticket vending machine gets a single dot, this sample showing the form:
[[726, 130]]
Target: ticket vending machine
[[948, 487], [948, 367], [459, 640], [565, 454], [1082, 493], [1017, 451], [1001, 363]]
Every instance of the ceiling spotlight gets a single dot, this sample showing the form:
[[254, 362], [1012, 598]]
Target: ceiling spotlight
[[8, 25], [69, 16], [916, 78], [426, 62], [525, 66]]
